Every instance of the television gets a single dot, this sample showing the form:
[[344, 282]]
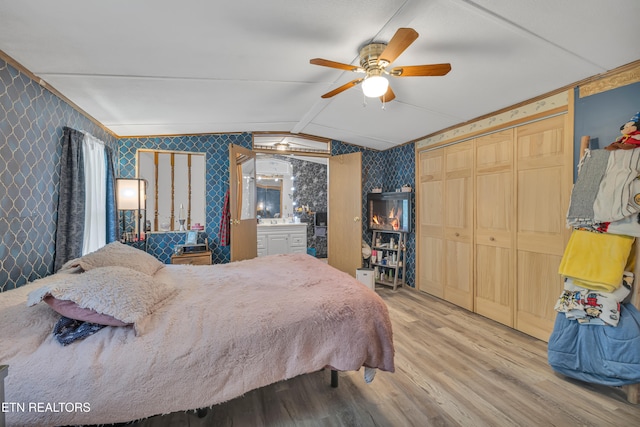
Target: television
[[389, 211]]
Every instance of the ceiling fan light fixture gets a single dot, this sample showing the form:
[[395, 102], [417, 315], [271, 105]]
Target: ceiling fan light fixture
[[374, 60], [375, 86]]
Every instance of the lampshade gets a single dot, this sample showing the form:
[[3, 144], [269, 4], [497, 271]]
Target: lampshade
[[131, 193], [375, 86]]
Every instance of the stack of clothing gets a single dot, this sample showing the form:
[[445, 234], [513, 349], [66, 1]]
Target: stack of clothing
[[597, 269], [590, 307], [597, 277], [606, 195]]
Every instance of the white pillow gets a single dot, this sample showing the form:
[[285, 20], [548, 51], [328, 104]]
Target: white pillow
[[123, 293], [116, 254]]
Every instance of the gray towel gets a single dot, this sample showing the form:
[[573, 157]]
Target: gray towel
[[593, 166]]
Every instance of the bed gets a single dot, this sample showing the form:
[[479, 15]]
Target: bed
[[217, 332]]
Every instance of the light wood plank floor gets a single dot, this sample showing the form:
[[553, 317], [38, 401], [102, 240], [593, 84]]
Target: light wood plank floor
[[453, 368]]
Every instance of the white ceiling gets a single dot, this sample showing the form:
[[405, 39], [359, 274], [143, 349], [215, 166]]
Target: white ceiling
[[150, 67]]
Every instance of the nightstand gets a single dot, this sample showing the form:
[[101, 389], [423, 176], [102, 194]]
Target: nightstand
[[195, 258]]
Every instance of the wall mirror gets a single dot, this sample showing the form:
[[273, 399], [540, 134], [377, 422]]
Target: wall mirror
[[176, 189], [274, 187], [269, 192], [246, 190]]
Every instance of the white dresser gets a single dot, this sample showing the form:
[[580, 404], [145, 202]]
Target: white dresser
[[282, 238]]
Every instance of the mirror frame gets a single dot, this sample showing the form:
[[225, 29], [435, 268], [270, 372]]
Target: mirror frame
[[150, 216]]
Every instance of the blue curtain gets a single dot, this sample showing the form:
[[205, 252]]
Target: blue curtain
[[112, 213], [71, 201]]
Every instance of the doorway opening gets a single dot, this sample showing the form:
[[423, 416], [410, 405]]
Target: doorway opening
[[294, 189]]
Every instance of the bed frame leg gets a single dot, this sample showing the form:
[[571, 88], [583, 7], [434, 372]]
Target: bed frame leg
[[633, 393], [334, 378]]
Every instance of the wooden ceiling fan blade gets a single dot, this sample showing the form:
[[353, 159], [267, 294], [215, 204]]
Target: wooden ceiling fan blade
[[398, 43], [389, 96], [342, 88], [421, 70], [333, 64]]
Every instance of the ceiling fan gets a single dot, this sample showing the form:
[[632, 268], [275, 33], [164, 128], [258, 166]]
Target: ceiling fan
[[374, 60]]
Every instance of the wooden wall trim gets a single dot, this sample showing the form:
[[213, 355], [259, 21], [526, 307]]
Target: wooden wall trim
[[623, 77], [155, 177], [172, 162], [189, 191], [540, 108], [494, 129]]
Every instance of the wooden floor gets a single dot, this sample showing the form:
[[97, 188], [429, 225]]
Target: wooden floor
[[453, 368]]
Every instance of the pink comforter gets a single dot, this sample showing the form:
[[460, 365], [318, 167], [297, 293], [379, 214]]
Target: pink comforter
[[231, 328]]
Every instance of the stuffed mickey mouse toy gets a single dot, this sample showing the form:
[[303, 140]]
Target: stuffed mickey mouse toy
[[630, 138]]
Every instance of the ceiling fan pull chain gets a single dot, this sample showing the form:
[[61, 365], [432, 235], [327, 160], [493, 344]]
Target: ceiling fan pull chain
[[364, 101]]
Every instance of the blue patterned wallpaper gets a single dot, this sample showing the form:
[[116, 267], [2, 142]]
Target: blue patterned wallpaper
[[216, 147], [389, 170], [31, 122], [400, 170]]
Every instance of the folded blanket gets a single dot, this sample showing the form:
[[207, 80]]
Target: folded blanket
[[615, 198], [590, 307], [608, 356], [591, 171], [596, 260]]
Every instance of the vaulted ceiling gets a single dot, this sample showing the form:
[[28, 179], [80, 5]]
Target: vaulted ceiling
[[154, 67]]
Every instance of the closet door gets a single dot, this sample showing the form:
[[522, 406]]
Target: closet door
[[430, 259], [458, 224], [494, 227], [544, 156]]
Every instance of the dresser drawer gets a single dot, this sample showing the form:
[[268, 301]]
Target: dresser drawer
[[202, 258], [298, 240]]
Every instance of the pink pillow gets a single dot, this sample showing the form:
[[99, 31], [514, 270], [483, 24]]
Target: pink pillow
[[73, 311]]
